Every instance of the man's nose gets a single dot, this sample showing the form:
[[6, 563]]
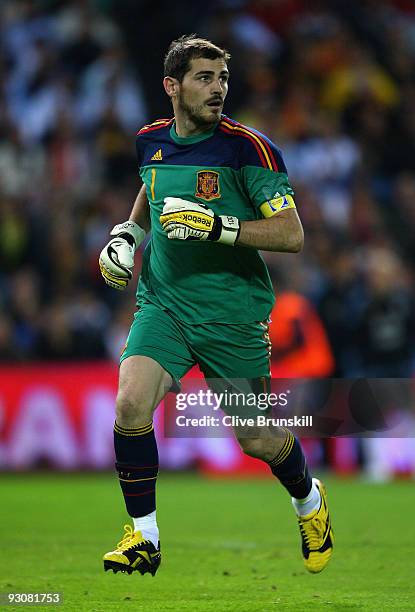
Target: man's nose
[[217, 87]]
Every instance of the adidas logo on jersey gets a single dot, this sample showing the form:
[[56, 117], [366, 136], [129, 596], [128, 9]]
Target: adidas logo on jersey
[[157, 156]]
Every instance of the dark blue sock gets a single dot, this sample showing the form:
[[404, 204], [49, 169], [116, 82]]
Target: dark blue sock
[[137, 464], [290, 467]]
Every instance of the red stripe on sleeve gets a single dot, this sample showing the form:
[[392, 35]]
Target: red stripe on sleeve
[[260, 154], [152, 127], [263, 141]]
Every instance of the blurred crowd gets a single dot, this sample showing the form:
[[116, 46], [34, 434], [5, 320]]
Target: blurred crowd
[[332, 83]]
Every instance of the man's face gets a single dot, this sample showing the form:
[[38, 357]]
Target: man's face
[[203, 91]]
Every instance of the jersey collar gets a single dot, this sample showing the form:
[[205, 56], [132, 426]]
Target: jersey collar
[[189, 139]]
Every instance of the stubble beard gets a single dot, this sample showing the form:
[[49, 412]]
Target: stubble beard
[[195, 114]]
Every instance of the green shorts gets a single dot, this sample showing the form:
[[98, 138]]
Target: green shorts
[[221, 350]]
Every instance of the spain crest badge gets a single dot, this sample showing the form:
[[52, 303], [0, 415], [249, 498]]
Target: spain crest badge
[[207, 187]]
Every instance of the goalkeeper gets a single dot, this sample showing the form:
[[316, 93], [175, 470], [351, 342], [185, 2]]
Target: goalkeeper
[[214, 192]]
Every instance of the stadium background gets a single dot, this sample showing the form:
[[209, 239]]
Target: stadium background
[[333, 83]]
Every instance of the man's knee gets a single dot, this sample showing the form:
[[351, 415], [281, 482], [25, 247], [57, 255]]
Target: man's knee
[[132, 409]]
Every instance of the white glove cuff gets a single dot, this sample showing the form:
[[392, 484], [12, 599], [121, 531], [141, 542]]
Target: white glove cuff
[[230, 230], [129, 227]]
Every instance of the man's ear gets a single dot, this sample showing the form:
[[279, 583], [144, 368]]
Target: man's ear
[[171, 86]]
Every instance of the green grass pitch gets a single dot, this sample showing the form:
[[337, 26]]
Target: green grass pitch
[[227, 545]]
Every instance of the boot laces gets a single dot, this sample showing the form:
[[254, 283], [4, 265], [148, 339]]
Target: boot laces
[[126, 541], [311, 532]]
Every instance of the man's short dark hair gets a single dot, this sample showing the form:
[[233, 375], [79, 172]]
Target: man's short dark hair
[[186, 48]]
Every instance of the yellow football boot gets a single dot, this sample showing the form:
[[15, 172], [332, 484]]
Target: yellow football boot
[[133, 553], [317, 534]]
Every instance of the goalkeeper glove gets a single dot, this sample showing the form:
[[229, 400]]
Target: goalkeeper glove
[[186, 220], [116, 260]]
